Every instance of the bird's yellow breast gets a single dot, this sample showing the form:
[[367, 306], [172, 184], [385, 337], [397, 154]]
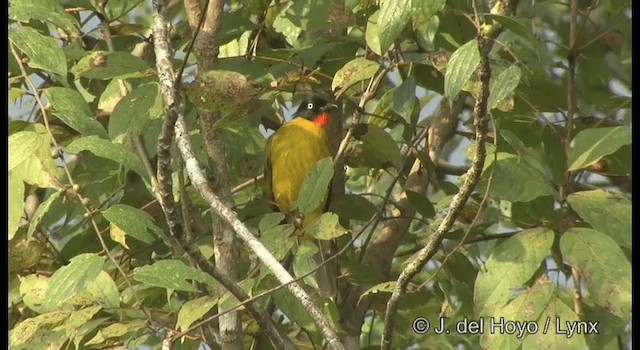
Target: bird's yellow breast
[[294, 149]]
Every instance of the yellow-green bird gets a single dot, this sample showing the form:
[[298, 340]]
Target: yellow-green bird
[[290, 153]]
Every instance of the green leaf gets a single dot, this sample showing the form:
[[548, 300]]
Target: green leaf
[[541, 93], [133, 112], [371, 34], [514, 141], [42, 210], [404, 99], [49, 11], [326, 227], [14, 95], [503, 85], [353, 271], [619, 162], [77, 319], [385, 287], [22, 145], [423, 10], [133, 221], [421, 203], [193, 310], [19, 125], [381, 115], [104, 290], [278, 240], [284, 25], [86, 328], [301, 17], [16, 204], [512, 24], [115, 9], [526, 307], [73, 278], [461, 65], [589, 145], [459, 268], [555, 318], [43, 52], [352, 207], [377, 147], [425, 33], [33, 167], [206, 246], [35, 332], [111, 95], [233, 25], [515, 179], [116, 330], [315, 186], [269, 221], [428, 77], [354, 71], [107, 149], [533, 213], [33, 289], [118, 235], [606, 212], [104, 65], [603, 266], [173, 275], [293, 309], [69, 106], [511, 264], [394, 16], [305, 261]]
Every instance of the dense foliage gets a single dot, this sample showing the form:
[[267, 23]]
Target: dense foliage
[[544, 242]]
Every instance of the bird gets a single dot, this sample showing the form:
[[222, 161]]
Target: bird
[[289, 155]]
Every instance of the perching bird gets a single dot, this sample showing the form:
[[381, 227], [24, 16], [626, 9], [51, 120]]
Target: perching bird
[[290, 153]]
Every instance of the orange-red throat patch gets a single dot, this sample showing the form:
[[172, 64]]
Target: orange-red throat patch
[[322, 119]]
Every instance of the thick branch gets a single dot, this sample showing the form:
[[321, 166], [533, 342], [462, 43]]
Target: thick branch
[[174, 113], [379, 255], [199, 181], [206, 48], [457, 204], [173, 109]]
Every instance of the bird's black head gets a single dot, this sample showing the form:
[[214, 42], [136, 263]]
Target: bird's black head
[[312, 107]]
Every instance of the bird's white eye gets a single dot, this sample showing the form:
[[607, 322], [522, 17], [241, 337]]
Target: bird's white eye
[[310, 106]]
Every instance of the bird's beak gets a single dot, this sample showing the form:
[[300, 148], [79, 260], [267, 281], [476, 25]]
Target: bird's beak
[[328, 107]]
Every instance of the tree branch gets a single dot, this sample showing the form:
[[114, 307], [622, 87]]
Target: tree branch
[[173, 110], [199, 181], [175, 117], [379, 255], [205, 26], [480, 122], [455, 208]]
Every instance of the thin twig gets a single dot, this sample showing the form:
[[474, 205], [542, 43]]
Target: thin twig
[[247, 183]]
